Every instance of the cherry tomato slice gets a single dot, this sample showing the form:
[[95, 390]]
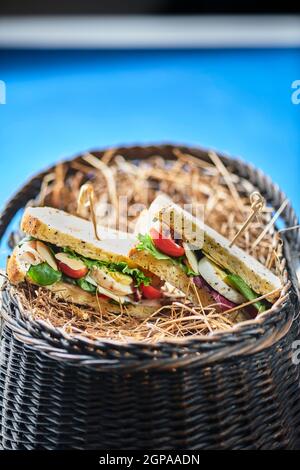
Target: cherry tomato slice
[[150, 292], [74, 274], [166, 245], [155, 280], [102, 296]]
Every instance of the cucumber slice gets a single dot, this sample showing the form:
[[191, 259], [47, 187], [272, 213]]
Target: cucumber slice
[[246, 291]]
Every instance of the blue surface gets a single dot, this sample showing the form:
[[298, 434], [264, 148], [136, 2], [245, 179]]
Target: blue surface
[[63, 102]]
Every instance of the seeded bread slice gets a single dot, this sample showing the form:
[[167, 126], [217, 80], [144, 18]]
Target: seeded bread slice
[[217, 247], [174, 275], [73, 294], [70, 293], [66, 230]]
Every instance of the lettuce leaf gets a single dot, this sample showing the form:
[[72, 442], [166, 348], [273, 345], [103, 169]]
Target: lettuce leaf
[[146, 244], [85, 285], [136, 273], [68, 280], [82, 283], [122, 267], [43, 275]]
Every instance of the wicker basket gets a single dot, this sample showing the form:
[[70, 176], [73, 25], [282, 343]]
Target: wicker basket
[[230, 390]]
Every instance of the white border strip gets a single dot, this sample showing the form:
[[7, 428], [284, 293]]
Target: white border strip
[[149, 31]]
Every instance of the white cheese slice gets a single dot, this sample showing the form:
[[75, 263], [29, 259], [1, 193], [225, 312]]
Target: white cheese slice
[[213, 276], [111, 295]]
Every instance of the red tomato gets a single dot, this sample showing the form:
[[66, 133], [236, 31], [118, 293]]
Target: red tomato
[[166, 245], [73, 273], [150, 292], [155, 280], [102, 296]]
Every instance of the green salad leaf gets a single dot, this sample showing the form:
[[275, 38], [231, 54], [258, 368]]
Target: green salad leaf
[[71, 253], [82, 282], [43, 275], [188, 271], [121, 267], [68, 279], [146, 244], [136, 273], [85, 285]]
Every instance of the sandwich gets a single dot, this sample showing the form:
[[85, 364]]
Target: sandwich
[[182, 250], [60, 253], [158, 253]]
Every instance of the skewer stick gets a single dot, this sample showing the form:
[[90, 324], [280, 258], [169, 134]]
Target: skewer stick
[[58, 183], [227, 177], [253, 301], [270, 224], [108, 175], [257, 204], [294, 227], [86, 199]]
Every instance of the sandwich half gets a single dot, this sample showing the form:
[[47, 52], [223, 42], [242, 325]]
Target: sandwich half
[[61, 253], [160, 254], [225, 276]]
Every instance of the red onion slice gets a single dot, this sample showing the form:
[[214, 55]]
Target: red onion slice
[[137, 296], [224, 303]]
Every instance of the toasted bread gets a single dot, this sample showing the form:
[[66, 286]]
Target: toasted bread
[[145, 219], [66, 230], [71, 293], [217, 247], [172, 274], [14, 269]]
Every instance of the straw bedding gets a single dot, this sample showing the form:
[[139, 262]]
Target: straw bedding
[[122, 188]]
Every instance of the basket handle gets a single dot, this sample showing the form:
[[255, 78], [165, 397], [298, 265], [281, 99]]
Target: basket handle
[[45, 338], [19, 201], [293, 265], [272, 194], [268, 189], [262, 182]]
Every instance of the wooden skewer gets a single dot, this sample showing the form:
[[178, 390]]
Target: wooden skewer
[[257, 204], [58, 184], [108, 175], [294, 227], [86, 199], [253, 301], [270, 224], [227, 178]]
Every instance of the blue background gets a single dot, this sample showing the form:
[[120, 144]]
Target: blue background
[[63, 102]]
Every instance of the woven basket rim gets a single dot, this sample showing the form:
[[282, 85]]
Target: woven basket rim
[[281, 302], [108, 354], [272, 323]]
